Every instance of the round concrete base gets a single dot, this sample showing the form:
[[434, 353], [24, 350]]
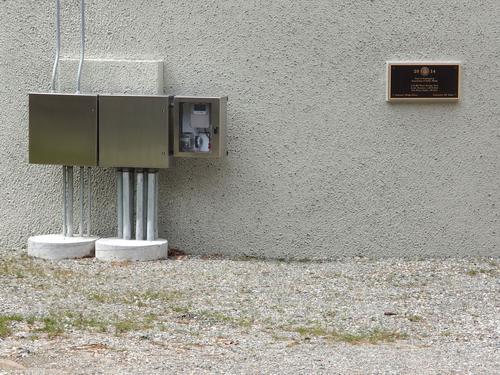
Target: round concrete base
[[56, 246], [117, 249]]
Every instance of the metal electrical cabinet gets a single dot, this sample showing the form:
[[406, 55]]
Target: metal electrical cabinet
[[199, 126], [134, 131], [124, 131], [63, 129]]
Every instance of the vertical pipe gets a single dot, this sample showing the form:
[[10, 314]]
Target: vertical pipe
[[65, 203], [127, 235], [157, 182], [119, 203], [82, 188], [82, 45], [139, 208], [151, 209], [89, 202], [70, 202], [58, 46]]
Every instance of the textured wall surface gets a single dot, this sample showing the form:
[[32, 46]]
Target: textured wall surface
[[319, 164]]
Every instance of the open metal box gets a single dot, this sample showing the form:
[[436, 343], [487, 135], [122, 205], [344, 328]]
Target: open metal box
[[63, 129], [199, 126]]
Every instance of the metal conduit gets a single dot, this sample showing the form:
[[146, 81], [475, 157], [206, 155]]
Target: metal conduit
[[69, 206], [151, 206], [82, 188], [139, 207], [58, 46], [145, 207], [127, 230], [65, 203], [155, 217], [89, 200], [119, 202], [82, 45]]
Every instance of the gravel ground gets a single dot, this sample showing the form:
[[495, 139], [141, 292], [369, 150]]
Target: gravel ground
[[199, 315]]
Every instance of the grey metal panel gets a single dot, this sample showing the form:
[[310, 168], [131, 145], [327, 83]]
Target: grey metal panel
[[63, 129], [217, 130], [133, 131]]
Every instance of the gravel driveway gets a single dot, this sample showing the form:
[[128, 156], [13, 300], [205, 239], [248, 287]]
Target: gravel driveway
[[198, 315]]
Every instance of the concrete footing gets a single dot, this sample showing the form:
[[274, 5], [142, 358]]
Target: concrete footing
[[57, 246], [118, 249]]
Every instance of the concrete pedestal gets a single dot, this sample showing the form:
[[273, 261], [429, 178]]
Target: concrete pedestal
[[117, 249], [56, 246]]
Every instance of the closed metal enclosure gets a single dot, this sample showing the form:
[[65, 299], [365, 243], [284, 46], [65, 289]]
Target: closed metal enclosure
[[63, 129], [134, 131]]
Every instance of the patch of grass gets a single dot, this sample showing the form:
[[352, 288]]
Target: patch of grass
[[127, 325], [140, 299], [414, 318], [374, 336], [81, 322], [5, 321], [20, 267], [217, 316], [56, 323], [482, 271], [99, 297], [52, 326], [180, 309]]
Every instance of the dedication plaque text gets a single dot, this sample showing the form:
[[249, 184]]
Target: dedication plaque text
[[423, 81]]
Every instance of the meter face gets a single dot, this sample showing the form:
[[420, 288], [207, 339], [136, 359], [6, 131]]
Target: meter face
[[200, 109], [199, 126]]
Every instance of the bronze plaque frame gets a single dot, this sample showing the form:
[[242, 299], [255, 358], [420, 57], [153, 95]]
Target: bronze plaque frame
[[423, 81]]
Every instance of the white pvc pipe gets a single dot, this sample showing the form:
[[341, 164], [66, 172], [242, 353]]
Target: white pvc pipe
[[58, 46], [139, 208], [82, 45]]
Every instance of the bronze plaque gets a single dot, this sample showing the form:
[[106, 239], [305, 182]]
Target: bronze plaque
[[423, 81]]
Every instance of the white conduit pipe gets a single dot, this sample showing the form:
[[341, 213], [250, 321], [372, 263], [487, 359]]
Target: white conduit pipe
[[82, 45], [58, 46]]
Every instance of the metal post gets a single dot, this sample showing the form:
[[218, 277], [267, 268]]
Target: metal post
[[70, 202], [127, 234], [119, 203], [139, 208], [82, 188], [89, 203], [151, 204], [65, 188]]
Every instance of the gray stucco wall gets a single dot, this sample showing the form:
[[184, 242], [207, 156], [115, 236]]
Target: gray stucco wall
[[319, 165]]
